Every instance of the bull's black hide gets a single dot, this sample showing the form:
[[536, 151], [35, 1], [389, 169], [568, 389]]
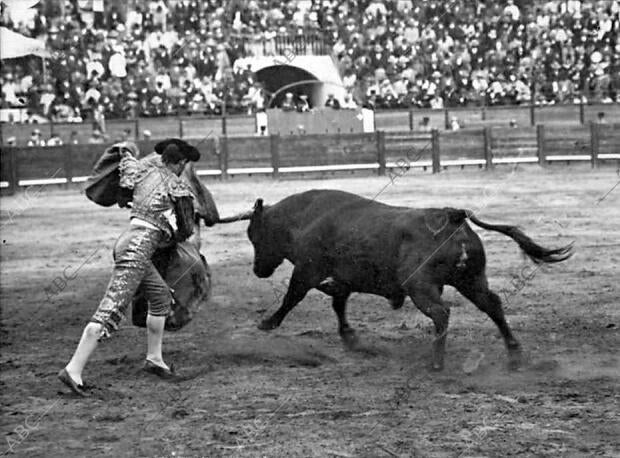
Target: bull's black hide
[[341, 243]]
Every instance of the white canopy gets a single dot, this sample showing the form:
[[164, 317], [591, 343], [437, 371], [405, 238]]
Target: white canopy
[[13, 44]]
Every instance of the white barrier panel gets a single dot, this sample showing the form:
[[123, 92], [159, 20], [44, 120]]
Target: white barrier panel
[[328, 168], [250, 170], [345, 167], [42, 181], [208, 172], [514, 160], [408, 163], [463, 162], [570, 157]]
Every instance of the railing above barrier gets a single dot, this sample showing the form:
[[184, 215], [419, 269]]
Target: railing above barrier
[[191, 127], [287, 45], [379, 152]]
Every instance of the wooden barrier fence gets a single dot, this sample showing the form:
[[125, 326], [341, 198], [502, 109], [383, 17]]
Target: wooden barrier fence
[[496, 116], [198, 126], [380, 151]]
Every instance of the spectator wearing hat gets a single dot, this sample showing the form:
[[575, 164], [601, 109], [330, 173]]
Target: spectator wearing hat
[[91, 96], [96, 137], [9, 90], [400, 87], [118, 63], [223, 63], [163, 83], [387, 90], [303, 106], [74, 139], [425, 124], [55, 140], [261, 123], [349, 79], [126, 135], [288, 104], [436, 102], [36, 139], [159, 11], [47, 99], [522, 91], [212, 101], [348, 103], [332, 102], [30, 117], [454, 123], [130, 107], [98, 113], [158, 104], [256, 98], [512, 11], [197, 103]]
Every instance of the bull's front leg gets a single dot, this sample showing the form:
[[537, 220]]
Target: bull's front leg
[[298, 287]]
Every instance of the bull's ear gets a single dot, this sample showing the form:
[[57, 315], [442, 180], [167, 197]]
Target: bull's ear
[[258, 206]]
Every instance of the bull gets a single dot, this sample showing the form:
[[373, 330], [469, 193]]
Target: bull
[[341, 243]]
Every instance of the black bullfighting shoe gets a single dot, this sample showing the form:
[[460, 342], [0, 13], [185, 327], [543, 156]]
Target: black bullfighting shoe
[[167, 374], [65, 378]]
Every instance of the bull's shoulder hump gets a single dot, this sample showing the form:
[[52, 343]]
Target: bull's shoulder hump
[[330, 195], [319, 199]]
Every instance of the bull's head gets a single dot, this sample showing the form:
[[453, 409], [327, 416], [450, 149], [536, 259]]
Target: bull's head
[[266, 241]]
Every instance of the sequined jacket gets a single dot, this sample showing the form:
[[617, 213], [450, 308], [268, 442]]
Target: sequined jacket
[[157, 192]]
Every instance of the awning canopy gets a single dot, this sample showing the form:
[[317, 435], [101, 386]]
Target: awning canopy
[[13, 44]]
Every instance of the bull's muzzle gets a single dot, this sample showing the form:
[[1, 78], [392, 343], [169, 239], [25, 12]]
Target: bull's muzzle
[[262, 272]]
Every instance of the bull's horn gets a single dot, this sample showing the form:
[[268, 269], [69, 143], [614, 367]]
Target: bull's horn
[[238, 217]]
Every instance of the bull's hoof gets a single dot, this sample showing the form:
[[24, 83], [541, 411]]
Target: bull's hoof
[[349, 338], [397, 302], [437, 365], [267, 325], [515, 359]]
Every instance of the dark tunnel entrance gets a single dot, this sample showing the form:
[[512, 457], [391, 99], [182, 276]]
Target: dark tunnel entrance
[[278, 76]]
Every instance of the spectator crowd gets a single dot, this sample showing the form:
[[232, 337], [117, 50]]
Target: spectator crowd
[[457, 52], [167, 57]]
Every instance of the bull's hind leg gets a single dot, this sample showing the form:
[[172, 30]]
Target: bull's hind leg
[[339, 293], [427, 298], [477, 290], [347, 333]]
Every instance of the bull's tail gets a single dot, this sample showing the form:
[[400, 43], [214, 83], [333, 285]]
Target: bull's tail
[[534, 251]]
